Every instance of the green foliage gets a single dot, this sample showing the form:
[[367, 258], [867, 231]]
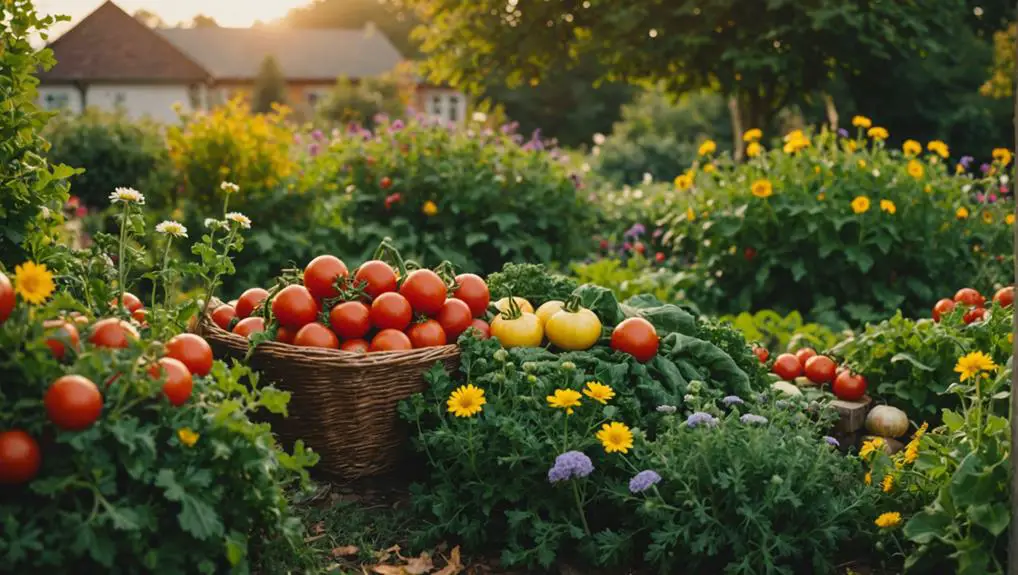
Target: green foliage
[[781, 334], [477, 200], [270, 87], [634, 276], [1001, 82], [28, 184], [361, 101], [114, 151], [392, 21], [531, 282], [910, 364]]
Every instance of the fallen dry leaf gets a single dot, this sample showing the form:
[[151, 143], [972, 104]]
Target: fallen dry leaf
[[383, 556], [388, 570], [345, 551], [419, 565], [318, 528], [453, 565]]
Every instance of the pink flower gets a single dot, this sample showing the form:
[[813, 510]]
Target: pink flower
[[992, 198], [392, 199], [981, 198], [81, 212]]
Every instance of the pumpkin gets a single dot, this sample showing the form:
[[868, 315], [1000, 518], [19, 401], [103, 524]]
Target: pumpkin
[[786, 388], [887, 421]]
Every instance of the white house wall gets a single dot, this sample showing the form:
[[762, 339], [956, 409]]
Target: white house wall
[[154, 101], [60, 97]]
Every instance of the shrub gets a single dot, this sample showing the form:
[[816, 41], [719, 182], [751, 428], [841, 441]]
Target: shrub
[[477, 200], [781, 334], [114, 151], [634, 276], [363, 100]]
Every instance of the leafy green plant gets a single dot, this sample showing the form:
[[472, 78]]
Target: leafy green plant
[[532, 282], [780, 334], [632, 277], [360, 101]]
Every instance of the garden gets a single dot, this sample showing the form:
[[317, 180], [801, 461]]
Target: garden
[[242, 344]]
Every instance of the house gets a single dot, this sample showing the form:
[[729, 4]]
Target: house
[[111, 61]]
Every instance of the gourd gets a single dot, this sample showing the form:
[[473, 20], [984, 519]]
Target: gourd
[[786, 388], [887, 421]]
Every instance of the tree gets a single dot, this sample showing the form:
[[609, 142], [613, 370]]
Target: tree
[[270, 86], [394, 22], [149, 18], [203, 21], [360, 101], [763, 55]]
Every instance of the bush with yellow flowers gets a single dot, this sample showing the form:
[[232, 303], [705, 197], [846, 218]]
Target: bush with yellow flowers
[[839, 226]]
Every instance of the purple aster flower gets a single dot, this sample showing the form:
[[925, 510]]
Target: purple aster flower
[[317, 135], [701, 418], [966, 161], [843, 132], [752, 418], [731, 400], [984, 168], [569, 465], [643, 481], [636, 231], [396, 126], [313, 149], [832, 441], [517, 139]]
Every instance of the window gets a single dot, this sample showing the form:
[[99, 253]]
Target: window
[[57, 101], [119, 98], [454, 109], [437, 109]]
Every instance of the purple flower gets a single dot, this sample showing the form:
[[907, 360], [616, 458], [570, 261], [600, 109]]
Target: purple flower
[[313, 149], [843, 132], [984, 168], [296, 139], [966, 161], [980, 198], [658, 232], [701, 418], [317, 135], [832, 441], [569, 465], [636, 231], [627, 247], [643, 481], [730, 400], [396, 126], [991, 198], [752, 418]]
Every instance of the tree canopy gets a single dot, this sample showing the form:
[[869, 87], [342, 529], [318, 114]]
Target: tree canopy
[[394, 22], [270, 86]]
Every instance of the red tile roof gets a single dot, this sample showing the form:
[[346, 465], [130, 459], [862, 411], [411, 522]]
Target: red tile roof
[[111, 45]]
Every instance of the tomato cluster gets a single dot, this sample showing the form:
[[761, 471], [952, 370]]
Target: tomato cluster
[[973, 303], [373, 309], [819, 369], [74, 402]]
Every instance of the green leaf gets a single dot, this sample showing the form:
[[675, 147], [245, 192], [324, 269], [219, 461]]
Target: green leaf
[[926, 526], [196, 517], [994, 517], [902, 356]]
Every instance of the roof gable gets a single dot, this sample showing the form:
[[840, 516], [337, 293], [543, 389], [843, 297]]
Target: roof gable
[[110, 44]]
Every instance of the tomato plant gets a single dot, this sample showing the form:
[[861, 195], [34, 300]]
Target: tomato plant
[[177, 381], [425, 291], [350, 320], [316, 335], [112, 332], [294, 306], [975, 314], [1004, 296], [391, 310], [428, 333], [73, 402], [249, 301], [7, 298], [637, 337], [804, 354], [455, 317], [472, 290], [61, 334], [969, 297], [321, 275], [191, 350], [376, 277], [761, 353], [224, 315], [787, 367], [573, 328], [944, 306], [482, 328], [131, 302], [390, 340], [820, 369], [849, 386], [19, 457]]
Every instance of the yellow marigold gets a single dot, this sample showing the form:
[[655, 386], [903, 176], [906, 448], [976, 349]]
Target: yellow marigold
[[888, 206], [887, 484], [709, 169], [752, 135], [1002, 155], [33, 282], [762, 189], [912, 148], [860, 204], [690, 214], [684, 181], [868, 478], [1009, 219], [795, 141], [466, 400], [849, 145], [565, 399], [912, 450], [821, 196], [877, 133], [939, 148], [187, 436], [861, 122], [615, 437], [928, 188], [915, 169], [959, 169], [429, 208], [973, 364], [598, 391], [870, 446], [816, 169], [708, 147], [754, 149], [962, 213], [861, 164], [987, 217], [888, 520]]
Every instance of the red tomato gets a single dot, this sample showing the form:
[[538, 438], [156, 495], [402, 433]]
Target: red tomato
[[975, 314], [481, 327], [787, 367], [285, 334], [73, 402], [131, 302], [820, 369], [386, 183], [761, 353], [969, 296], [139, 315], [20, 457], [248, 326], [191, 350], [1004, 296], [376, 276], [177, 382], [249, 301], [223, 315], [390, 340], [471, 289], [350, 320], [804, 354], [294, 306], [112, 332], [941, 308], [455, 317], [637, 337], [849, 386], [425, 291], [7, 298], [321, 274], [390, 310], [316, 335], [59, 334], [428, 333], [355, 346]]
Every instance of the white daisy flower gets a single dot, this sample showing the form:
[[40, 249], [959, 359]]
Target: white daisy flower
[[229, 187], [239, 218], [647, 178], [45, 213], [599, 139], [480, 117], [351, 189], [213, 223], [127, 196], [172, 228]]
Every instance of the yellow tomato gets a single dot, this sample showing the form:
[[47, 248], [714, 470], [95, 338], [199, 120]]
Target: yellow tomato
[[548, 309], [524, 331], [573, 330], [503, 305]]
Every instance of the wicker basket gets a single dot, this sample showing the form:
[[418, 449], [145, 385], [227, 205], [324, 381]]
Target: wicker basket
[[343, 405]]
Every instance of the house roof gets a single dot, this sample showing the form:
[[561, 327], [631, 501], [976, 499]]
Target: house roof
[[302, 54], [111, 45]]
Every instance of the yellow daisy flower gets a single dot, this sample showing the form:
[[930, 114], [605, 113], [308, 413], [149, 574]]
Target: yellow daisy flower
[[987, 217], [888, 520], [870, 446], [959, 169], [860, 204], [1002, 155], [754, 149], [684, 181], [709, 169], [708, 147], [429, 208], [861, 122], [187, 436], [752, 135], [912, 450], [915, 169], [849, 145], [887, 484], [565, 399], [690, 214], [939, 148], [615, 437], [1009, 219], [33, 282], [861, 164], [877, 133], [973, 364], [599, 392], [912, 148], [762, 189], [466, 400], [888, 206], [962, 213], [868, 478]]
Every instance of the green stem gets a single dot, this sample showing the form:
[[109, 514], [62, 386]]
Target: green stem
[[565, 431], [579, 507], [155, 280], [470, 447], [219, 274], [120, 258]]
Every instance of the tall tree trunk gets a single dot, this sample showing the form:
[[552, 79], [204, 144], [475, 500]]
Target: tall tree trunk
[[738, 149], [832, 111]]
